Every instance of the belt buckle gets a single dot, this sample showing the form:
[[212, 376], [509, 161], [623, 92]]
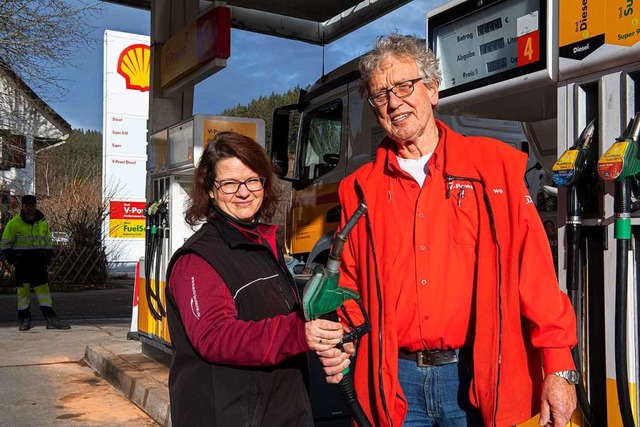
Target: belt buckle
[[421, 359]]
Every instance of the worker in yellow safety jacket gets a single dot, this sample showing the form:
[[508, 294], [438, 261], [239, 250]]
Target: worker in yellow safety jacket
[[26, 244]]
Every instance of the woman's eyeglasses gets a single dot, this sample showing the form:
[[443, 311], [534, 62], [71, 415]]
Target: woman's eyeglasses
[[231, 186]]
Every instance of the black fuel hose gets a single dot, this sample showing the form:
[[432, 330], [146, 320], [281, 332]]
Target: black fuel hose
[[160, 236], [622, 209], [345, 386], [348, 394], [575, 288], [149, 259]]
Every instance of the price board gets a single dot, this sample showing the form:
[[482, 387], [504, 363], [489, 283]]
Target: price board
[[483, 42]]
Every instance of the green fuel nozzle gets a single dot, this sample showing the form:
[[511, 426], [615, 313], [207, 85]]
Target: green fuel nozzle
[[322, 294], [620, 163], [622, 159]]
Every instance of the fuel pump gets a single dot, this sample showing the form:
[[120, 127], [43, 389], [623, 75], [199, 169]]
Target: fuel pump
[[322, 295], [572, 170], [156, 219], [161, 220], [173, 154], [620, 163]]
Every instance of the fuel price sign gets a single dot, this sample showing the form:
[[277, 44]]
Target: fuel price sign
[[483, 42]]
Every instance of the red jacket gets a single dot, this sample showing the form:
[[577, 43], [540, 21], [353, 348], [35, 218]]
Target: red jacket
[[519, 313]]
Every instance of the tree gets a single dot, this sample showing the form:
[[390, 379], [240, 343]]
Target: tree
[[68, 185], [263, 107], [79, 159], [38, 36]]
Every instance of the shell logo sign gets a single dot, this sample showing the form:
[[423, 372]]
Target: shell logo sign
[[134, 65]]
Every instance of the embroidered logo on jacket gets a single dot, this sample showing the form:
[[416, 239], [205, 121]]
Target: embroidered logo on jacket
[[459, 185], [195, 306]]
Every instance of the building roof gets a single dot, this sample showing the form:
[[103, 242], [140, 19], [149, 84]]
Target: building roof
[[44, 108]]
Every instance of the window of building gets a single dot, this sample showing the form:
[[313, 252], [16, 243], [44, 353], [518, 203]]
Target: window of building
[[13, 150]]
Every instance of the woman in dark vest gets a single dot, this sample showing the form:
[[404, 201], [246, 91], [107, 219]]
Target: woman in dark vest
[[238, 334]]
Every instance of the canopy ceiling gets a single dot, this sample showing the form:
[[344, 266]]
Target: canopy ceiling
[[312, 21]]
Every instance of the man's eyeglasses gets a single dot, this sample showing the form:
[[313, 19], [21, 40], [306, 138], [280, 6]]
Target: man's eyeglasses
[[401, 90], [231, 186]]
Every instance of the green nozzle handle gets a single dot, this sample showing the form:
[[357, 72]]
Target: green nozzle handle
[[322, 295]]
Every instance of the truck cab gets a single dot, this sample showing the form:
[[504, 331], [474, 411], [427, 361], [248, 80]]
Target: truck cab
[[338, 132]]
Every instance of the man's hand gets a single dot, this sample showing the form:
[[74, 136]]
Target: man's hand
[[558, 401], [334, 361]]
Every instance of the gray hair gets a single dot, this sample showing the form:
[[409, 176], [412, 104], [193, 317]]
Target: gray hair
[[398, 45]]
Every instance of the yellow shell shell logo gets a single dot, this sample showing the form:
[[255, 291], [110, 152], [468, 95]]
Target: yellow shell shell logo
[[134, 65]]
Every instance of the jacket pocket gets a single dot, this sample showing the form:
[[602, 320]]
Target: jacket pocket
[[463, 213]]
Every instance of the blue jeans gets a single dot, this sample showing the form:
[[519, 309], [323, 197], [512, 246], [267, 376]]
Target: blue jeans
[[437, 395]]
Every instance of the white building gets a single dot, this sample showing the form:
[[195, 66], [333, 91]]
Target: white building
[[27, 125]]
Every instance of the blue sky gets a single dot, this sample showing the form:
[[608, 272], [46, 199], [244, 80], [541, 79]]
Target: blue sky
[[259, 64]]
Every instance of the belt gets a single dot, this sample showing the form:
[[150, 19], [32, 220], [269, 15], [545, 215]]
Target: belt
[[430, 357]]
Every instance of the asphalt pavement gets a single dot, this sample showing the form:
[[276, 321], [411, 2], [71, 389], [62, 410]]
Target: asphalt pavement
[[90, 375], [93, 375]]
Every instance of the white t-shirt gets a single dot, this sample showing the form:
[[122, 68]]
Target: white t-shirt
[[417, 168]]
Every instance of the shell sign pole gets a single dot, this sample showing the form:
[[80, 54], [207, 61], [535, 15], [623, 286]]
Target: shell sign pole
[[127, 63]]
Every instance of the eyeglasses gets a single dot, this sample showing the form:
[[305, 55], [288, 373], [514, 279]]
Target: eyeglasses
[[401, 90], [232, 186]]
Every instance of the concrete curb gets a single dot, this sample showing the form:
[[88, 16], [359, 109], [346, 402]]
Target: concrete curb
[[138, 377]]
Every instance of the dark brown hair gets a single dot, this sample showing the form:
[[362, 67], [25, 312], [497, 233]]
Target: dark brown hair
[[226, 145]]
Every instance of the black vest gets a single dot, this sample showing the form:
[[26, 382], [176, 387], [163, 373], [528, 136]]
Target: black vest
[[207, 394]]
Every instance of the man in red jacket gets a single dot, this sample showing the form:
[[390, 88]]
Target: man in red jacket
[[453, 266]]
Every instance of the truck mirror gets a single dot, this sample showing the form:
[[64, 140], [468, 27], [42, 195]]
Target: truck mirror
[[280, 141]]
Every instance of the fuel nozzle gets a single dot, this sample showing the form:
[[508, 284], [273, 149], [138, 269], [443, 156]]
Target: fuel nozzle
[[620, 163], [322, 294], [570, 165], [622, 159]]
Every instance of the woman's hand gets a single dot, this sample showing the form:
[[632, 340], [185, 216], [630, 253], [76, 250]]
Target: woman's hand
[[334, 361], [323, 334]]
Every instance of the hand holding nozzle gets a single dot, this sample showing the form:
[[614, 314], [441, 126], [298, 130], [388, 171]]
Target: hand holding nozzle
[[323, 295]]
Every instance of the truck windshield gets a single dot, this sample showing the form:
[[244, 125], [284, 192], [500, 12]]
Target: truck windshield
[[320, 144]]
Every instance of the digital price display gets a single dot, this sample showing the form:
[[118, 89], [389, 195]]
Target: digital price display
[[479, 43]]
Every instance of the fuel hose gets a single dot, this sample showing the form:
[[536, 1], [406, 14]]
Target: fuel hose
[[567, 172], [619, 164]]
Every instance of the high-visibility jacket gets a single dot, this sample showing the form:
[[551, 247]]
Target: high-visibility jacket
[[22, 237]]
